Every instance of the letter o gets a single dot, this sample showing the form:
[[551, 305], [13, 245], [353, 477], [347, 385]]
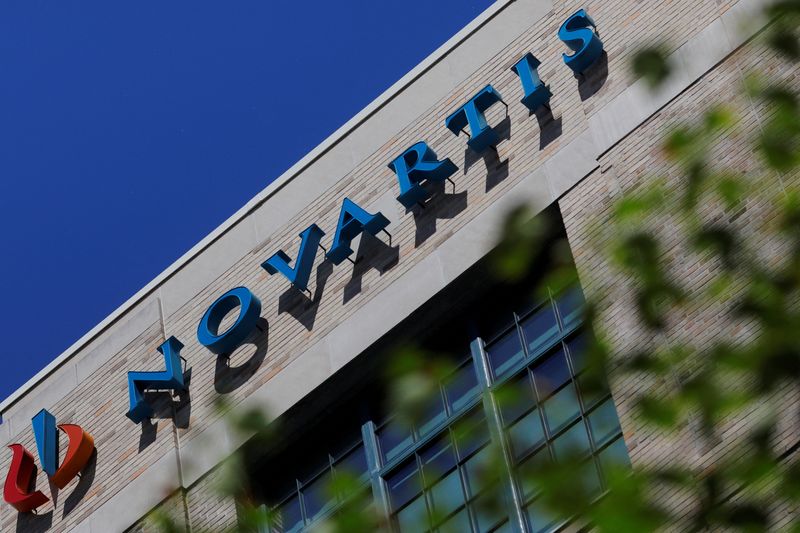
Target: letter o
[[208, 330]]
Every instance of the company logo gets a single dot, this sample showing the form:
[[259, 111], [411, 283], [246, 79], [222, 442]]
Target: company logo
[[21, 475]]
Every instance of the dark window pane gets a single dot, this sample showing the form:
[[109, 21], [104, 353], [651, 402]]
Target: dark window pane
[[615, 457], [317, 497], [526, 434], [515, 398], [530, 472], [457, 524], [539, 517], [551, 374], [447, 496], [288, 517], [572, 443], [604, 423], [480, 472], [505, 353], [570, 306], [577, 347], [462, 387], [413, 518], [404, 484], [562, 408], [471, 432], [589, 478], [487, 511], [393, 438], [438, 458], [593, 390], [540, 329], [433, 415], [354, 463]]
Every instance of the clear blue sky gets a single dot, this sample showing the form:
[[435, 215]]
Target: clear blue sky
[[130, 130]]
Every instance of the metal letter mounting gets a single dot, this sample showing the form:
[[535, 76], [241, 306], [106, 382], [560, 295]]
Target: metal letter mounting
[[352, 221], [170, 378], [417, 165], [481, 135], [537, 94], [578, 33], [249, 313], [297, 276]]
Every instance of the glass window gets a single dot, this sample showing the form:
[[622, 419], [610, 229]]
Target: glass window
[[516, 398], [444, 474], [462, 387], [540, 329], [577, 346], [394, 438], [574, 442], [404, 484], [354, 463], [316, 497], [562, 408], [615, 457], [539, 519], [551, 373], [413, 517], [505, 353], [433, 415], [526, 434], [571, 307], [471, 433], [604, 423], [289, 516]]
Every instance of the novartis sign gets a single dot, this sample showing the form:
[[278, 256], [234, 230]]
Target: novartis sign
[[414, 168]]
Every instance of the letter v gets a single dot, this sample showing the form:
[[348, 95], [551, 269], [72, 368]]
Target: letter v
[[297, 276]]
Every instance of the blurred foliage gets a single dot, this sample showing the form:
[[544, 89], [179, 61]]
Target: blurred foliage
[[700, 389]]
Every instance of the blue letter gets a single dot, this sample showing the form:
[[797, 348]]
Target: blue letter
[[249, 311], [416, 165], [44, 431], [577, 32], [536, 93], [170, 378], [297, 276], [481, 135], [352, 221]]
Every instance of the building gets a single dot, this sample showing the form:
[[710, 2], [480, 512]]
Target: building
[[306, 349]]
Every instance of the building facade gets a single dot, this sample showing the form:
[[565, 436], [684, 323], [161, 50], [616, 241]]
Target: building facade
[[307, 336]]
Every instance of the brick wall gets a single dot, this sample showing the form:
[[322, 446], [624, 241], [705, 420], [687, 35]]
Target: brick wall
[[587, 209]]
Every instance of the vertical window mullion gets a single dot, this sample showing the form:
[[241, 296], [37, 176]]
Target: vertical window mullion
[[494, 420], [379, 492]]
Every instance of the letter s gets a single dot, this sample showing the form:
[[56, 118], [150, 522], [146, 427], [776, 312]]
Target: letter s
[[578, 33]]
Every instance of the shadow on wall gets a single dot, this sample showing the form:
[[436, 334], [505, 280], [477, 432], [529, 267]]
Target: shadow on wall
[[35, 523], [228, 378], [440, 205], [496, 170], [300, 306], [550, 128], [167, 405], [593, 79], [85, 482], [372, 253]]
